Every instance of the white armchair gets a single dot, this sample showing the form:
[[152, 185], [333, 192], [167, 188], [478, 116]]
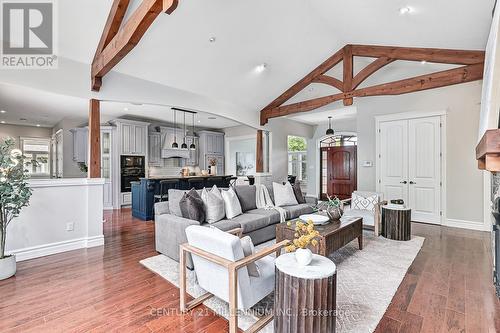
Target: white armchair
[[221, 270], [366, 205]]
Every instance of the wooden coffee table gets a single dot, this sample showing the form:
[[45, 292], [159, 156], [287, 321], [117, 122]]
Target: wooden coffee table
[[332, 236]]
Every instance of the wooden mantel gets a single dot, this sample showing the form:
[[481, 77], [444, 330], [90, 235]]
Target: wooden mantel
[[488, 151]]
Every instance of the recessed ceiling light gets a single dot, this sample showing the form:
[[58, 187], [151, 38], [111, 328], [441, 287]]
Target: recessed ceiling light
[[405, 10], [37, 125], [2, 111], [125, 109], [423, 62], [3, 121], [199, 121], [260, 68], [212, 39]]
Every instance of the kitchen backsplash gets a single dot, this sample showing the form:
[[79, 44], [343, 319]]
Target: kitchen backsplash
[[171, 167]]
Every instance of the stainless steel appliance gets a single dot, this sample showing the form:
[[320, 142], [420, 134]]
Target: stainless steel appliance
[[132, 168]]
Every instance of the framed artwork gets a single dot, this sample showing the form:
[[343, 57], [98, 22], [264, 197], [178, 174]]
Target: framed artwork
[[245, 163]]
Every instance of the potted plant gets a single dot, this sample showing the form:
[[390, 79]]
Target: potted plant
[[334, 208], [212, 166], [15, 194], [305, 235]]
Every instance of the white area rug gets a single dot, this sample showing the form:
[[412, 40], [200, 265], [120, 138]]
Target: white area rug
[[366, 281]]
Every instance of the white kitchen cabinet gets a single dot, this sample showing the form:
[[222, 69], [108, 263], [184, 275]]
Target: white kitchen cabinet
[[155, 146], [80, 144], [193, 159], [133, 136], [58, 138]]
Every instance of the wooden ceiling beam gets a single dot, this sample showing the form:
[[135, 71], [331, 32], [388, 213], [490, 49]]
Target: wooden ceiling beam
[[445, 56], [348, 73], [331, 81], [297, 87], [127, 37], [429, 81], [424, 82], [369, 70], [113, 23], [473, 61]]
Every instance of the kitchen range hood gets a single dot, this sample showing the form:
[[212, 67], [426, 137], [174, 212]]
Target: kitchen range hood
[[174, 153]]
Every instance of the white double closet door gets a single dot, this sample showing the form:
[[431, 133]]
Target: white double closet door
[[410, 165]]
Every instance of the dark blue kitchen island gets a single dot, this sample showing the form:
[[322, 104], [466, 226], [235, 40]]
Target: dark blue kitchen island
[[143, 191]]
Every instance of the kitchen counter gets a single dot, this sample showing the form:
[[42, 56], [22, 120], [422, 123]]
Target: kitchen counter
[[182, 177], [143, 192]]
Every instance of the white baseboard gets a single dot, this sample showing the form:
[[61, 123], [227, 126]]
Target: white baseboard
[[471, 225], [59, 247]]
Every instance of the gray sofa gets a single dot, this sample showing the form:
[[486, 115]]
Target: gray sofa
[[259, 224]]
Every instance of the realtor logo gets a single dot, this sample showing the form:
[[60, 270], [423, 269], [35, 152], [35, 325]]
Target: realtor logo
[[28, 34]]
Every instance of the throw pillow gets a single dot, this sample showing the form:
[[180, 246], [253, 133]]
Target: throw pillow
[[192, 206], [364, 203], [213, 204], [248, 250], [284, 195], [298, 194], [247, 196], [231, 203]]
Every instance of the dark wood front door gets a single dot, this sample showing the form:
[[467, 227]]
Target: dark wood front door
[[339, 173]]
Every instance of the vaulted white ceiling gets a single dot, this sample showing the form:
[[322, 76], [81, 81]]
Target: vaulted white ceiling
[[291, 36]]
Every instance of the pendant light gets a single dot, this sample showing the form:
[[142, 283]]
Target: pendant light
[[192, 146], [184, 145], [174, 144], [330, 130]]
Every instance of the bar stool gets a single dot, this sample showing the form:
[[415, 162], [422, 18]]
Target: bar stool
[[196, 183], [251, 180], [232, 181], [217, 181], [166, 185]]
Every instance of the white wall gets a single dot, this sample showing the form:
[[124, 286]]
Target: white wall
[[40, 229], [280, 129], [464, 180], [239, 145], [16, 131]]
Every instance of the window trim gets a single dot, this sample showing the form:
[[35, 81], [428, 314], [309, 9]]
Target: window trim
[[22, 139]]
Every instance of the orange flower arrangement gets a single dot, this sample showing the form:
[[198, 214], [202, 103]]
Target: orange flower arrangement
[[305, 235]]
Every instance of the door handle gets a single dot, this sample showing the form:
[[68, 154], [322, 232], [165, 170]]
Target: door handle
[[404, 182], [412, 182]]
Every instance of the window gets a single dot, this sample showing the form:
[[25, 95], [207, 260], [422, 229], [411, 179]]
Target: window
[[37, 151], [339, 140], [297, 158]]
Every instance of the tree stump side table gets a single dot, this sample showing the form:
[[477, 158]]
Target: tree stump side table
[[396, 223], [305, 297]]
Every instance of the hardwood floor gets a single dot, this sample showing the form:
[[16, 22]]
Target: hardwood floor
[[447, 289], [99, 290]]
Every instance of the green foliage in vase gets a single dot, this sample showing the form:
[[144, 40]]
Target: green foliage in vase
[[333, 202], [15, 192]]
